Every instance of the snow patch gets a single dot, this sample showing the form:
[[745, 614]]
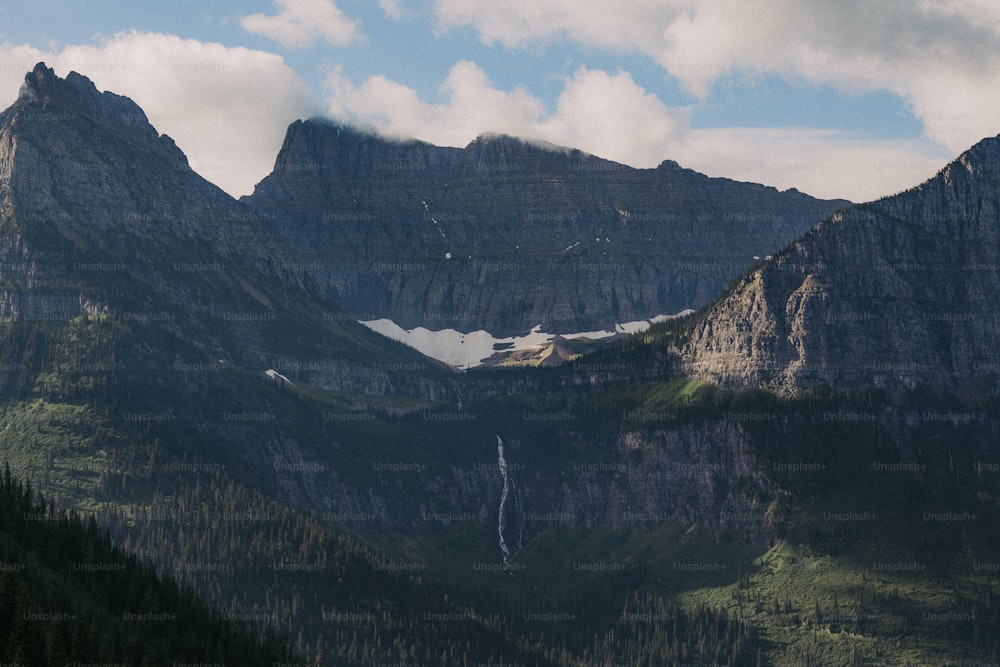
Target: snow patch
[[467, 350], [437, 225], [274, 375]]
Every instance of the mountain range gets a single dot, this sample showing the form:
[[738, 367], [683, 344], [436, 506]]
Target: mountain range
[[803, 471], [506, 235]]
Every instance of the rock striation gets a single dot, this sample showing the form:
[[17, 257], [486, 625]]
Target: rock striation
[[101, 215], [192, 305], [506, 234], [892, 294]]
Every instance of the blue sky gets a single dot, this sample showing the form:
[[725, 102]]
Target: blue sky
[[852, 99]]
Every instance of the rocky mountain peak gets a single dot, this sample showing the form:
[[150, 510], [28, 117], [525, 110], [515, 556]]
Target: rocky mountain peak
[[100, 215], [37, 82], [45, 97], [985, 152], [322, 150], [66, 149], [974, 170], [894, 294], [981, 162]]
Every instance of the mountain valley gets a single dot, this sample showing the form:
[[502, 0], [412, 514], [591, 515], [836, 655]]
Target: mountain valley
[[804, 471]]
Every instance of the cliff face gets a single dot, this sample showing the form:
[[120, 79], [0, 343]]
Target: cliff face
[[101, 215], [86, 178], [895, 293], [706, 474], [63, 143], [505, 234]]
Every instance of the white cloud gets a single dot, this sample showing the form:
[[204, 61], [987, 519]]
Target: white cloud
[[831, 165], [941, 56], [615, 118], [227, 108], [391, 8], [303, 22], [518, 23], [16, 62], [473, 107], [610, 115]]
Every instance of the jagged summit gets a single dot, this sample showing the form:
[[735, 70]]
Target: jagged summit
[[77, 96], [36, 82], [64, 146], [983, 152], [978, 167], [99, 214]]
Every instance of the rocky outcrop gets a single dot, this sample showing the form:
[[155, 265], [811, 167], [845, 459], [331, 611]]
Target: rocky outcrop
[[707, 474], [893, 294], [507, 234]]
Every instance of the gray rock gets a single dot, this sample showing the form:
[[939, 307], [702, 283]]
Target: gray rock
[[891, 294], [506, 234], [101, 215]]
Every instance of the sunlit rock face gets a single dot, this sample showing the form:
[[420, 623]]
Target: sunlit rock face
[[892, 294]]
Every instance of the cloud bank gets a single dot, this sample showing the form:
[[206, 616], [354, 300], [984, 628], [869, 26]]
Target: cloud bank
[[610, 115], [941, 56]]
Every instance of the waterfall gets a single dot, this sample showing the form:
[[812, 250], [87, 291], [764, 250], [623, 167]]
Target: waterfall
[[502, 464]]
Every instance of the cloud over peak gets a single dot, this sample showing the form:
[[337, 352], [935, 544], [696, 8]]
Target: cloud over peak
[[604, 114], [611, 116]]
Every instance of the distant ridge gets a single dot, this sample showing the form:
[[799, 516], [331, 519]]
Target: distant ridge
[[506, 233]]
